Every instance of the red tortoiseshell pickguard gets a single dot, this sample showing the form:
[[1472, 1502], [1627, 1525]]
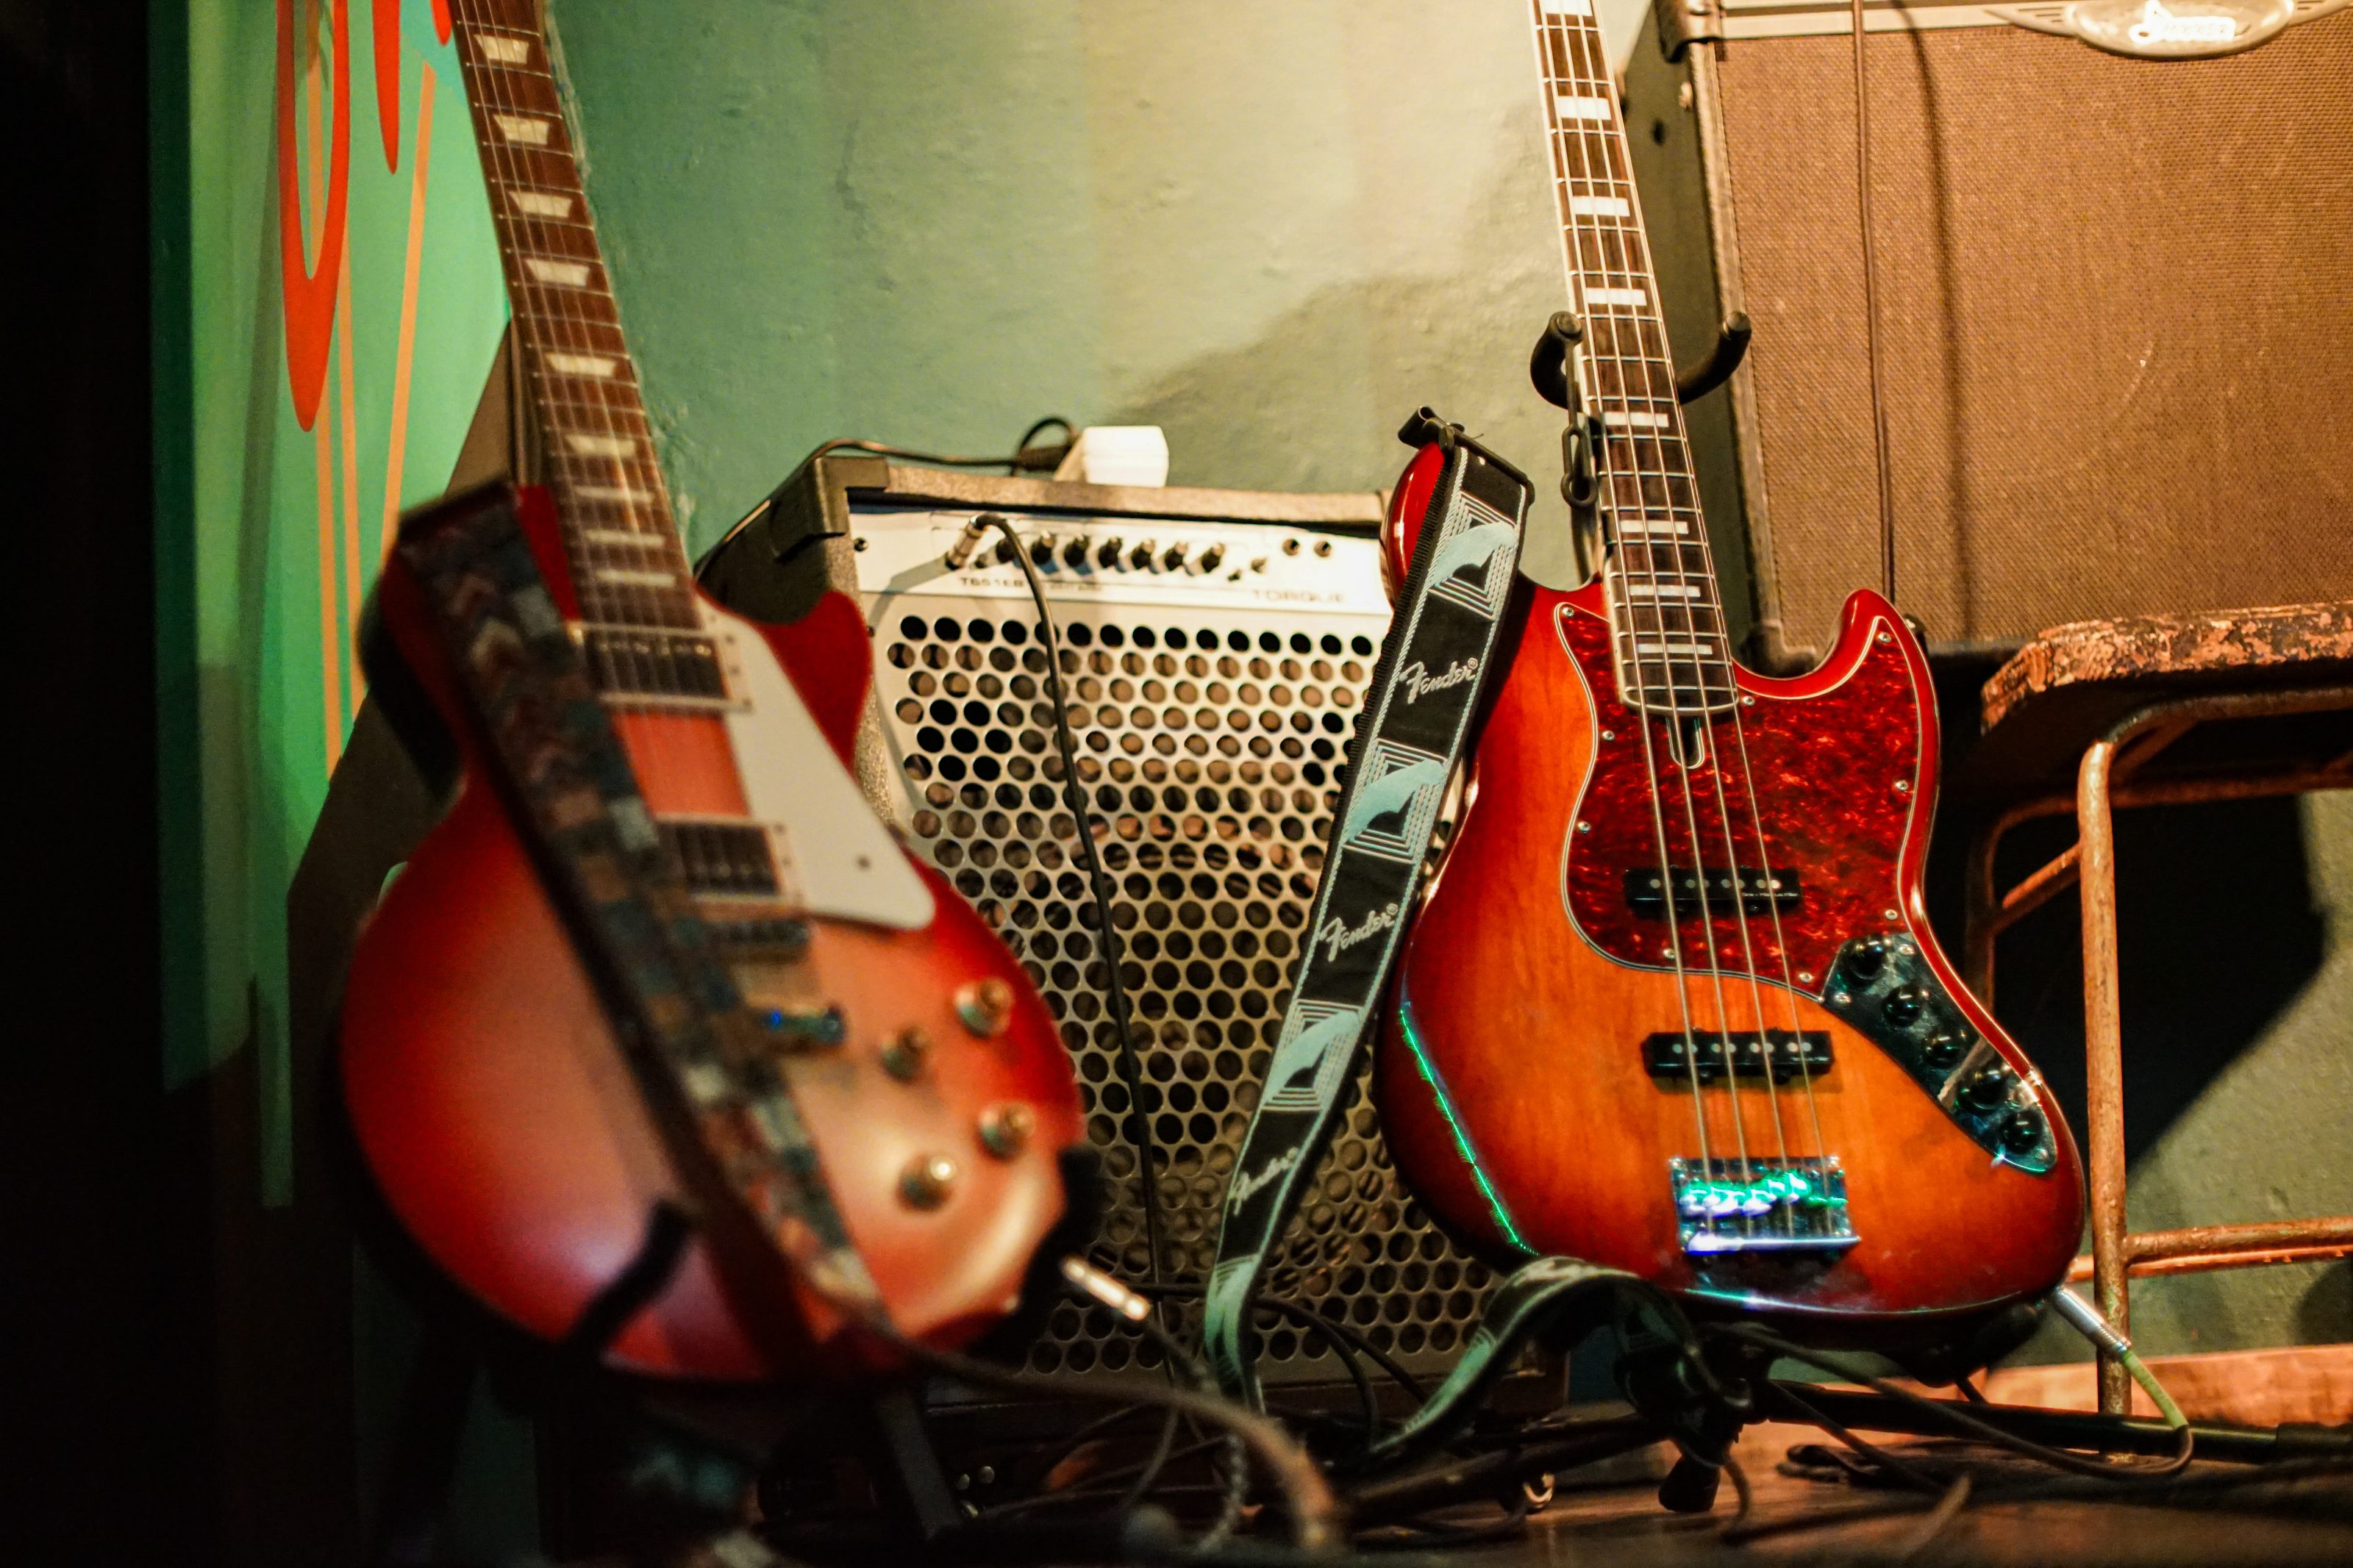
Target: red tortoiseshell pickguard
[[1837, 771]]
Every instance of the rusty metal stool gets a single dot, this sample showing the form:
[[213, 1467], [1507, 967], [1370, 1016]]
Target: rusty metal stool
[[2110, 698]]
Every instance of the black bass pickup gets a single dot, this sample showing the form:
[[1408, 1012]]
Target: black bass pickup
[[1760, 893], [1668, 1054]]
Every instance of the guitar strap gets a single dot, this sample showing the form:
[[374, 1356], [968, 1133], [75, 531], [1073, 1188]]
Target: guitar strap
[[728, 1114], [1415, 728]]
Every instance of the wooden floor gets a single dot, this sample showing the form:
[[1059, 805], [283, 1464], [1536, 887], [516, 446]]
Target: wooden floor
[[1622, 1526]]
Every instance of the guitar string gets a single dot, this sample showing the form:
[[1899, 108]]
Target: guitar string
[[1790, 984], [552, 321], [1788, 988], [1573, 255], [1638, 270], [557, 323]]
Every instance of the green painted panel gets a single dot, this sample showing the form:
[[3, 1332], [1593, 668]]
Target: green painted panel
[[280, 527]]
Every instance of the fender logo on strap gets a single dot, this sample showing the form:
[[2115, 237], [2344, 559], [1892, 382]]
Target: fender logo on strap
[[1416, 681]]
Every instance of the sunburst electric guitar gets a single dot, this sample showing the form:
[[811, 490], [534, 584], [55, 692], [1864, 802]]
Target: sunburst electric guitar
[[1672, 1003], [493, 1099]]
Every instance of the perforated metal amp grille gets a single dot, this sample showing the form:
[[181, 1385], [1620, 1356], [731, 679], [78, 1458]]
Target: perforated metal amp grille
[[1209, 727]]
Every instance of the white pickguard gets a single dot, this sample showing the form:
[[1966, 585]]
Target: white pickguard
[[838, 855]]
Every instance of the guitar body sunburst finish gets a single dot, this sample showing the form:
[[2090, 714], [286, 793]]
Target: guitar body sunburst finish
[[1513, 1076], [1672, 1003], [497, 1114]]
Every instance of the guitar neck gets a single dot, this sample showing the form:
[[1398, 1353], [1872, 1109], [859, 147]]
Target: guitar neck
[[1666, 608], [628, 567]]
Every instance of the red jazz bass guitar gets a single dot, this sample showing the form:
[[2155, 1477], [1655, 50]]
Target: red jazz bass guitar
[[1672, 1003], [481, 1073]]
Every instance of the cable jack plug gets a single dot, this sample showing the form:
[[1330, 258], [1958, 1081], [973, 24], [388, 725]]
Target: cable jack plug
[[1088, 1280], [961, 553], [2086, 1320]]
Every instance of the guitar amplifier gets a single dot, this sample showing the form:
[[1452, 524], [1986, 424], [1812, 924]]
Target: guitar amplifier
[[1214, 646], [2119, 359]]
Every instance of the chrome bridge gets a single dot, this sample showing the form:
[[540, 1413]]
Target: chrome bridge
[[1726, 1206]]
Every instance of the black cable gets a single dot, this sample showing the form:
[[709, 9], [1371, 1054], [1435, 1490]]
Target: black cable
[[2211, 1489], [1012, 464], [937, 459], [1334, 1332], [1099, 883], [1131, 1065], [1308, 1502], [1910, 1475], [1021, 448], [1105, 1484], [1956, 1416]]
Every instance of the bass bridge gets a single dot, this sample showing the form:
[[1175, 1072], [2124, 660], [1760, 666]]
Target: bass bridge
[[1731, 1204]]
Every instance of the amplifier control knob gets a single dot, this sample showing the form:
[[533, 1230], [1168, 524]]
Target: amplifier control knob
[[1074, 553], [1107, 554], [1213, 557], [1173, 558], [1140, 557], [1041, 549]]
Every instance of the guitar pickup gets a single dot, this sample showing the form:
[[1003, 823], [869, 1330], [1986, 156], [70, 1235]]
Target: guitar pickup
[[1727, 1204], [1669, 1055], [1757, 892], [672, 669], [723, 859]]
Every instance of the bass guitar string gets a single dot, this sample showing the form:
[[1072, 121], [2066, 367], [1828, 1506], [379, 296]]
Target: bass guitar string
[[1573, 258], [1605, 140], [1789, 990], [1780, 944], [1640, 275], [1638, 268]]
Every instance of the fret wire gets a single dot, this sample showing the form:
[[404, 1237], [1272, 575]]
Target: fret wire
[[581, 320], [1589, 162]]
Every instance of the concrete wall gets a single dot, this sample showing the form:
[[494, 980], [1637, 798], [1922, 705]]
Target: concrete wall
[[1273, 229]]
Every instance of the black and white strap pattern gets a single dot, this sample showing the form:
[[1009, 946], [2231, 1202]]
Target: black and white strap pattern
[[1417, 720]]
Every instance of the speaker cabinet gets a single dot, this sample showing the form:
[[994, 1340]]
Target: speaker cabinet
[[1215, 647], [2116, 301]]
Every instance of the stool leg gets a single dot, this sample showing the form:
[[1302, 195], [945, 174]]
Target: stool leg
[[2103, 1057], [1981, 902]]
